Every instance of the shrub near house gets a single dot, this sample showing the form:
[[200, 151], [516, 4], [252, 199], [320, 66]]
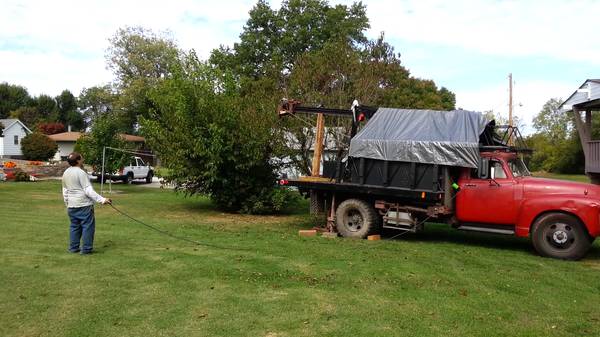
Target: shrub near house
[[37, 146]]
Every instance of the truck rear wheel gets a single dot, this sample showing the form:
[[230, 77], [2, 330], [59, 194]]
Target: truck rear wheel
[[356, 218], [128, 179], [560, 236]]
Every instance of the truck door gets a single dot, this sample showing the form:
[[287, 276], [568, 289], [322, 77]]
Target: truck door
[[142, 168], [488, 200]]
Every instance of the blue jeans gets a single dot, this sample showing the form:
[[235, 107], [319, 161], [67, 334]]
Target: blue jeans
[[82, 222]]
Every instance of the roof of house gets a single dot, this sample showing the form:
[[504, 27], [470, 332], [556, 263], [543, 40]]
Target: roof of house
[[8, 122], [65, 136], [74, 136], [586, 96], [132, 138]]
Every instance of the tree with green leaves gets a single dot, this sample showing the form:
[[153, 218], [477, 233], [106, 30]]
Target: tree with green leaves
[[105, 132], [38, 146], [140, 59], [213, 141], [552, 122], [95, 101], [67, 112], [28, 115], [556, 144], [45, 106], [12, 97], [272, 40]]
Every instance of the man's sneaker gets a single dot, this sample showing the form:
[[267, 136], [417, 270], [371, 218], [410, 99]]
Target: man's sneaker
[[73, 251]]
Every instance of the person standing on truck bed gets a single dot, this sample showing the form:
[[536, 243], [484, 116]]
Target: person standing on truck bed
[[79, 197]]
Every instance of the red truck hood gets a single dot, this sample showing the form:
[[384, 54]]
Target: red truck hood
[[538, 186]]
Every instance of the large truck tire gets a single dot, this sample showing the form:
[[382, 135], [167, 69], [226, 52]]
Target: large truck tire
[[560, 236], [355, 218]]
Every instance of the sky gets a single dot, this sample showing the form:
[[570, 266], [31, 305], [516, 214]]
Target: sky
[[469, 47]]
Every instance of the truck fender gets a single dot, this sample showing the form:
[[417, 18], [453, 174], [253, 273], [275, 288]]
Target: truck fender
[[586, 210]]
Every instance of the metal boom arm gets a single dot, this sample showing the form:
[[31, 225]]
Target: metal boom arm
[[290, 107]]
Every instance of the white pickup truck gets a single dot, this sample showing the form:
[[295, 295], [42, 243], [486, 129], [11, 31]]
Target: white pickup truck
[[137, 169]]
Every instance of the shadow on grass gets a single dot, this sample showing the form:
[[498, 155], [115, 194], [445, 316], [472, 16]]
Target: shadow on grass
[[204, 204], [443, 234], [437, 234]]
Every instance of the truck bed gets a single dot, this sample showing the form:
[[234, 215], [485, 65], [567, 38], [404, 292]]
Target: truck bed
[[325, 185]]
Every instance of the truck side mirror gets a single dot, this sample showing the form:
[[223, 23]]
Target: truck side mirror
[[483, 168]]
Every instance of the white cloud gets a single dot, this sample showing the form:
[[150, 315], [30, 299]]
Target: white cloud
[[561, 29], [48, 46]]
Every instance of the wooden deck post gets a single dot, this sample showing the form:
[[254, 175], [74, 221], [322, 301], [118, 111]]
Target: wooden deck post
[[318, 153], [583, 129]]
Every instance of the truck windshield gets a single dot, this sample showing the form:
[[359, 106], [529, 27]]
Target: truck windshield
[[518, 168]]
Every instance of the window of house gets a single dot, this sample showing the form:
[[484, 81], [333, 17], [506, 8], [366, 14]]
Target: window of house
[[16, 140]]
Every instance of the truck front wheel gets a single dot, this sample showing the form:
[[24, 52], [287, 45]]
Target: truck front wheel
[[560, 236], [355, 218]]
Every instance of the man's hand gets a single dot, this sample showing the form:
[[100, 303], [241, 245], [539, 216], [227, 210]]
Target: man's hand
[[107, 201]]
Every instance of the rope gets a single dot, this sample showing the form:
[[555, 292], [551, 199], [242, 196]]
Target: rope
[[163, 232]]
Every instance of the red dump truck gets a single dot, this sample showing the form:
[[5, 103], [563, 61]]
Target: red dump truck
[[405, 168]]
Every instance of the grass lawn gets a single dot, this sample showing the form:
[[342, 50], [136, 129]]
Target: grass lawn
[[582, 178], [139, 283]]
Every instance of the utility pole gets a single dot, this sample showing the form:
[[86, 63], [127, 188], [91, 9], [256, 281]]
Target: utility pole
[[510, 100], [510, 107]]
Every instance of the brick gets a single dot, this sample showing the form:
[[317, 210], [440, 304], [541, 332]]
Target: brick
[[374, 237], [308, 232], [329, 235]]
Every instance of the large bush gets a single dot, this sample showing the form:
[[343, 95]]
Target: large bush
[[37, 146], [213, 142]]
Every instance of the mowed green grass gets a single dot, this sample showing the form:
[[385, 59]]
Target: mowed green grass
[[438, 283], [582, 178]]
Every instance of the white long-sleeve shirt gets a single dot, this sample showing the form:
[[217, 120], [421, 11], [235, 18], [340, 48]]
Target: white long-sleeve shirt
[[77, 189]]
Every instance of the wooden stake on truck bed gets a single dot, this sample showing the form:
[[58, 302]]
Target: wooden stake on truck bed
[[318, 152]]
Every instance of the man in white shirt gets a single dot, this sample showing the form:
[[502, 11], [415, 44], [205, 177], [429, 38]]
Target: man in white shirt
[[79, 196]]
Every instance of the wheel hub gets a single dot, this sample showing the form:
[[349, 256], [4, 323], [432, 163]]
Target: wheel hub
[[560, 237], [354, 221]]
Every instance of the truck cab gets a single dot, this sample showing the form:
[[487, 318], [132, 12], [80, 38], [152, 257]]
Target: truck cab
[[501, 196]]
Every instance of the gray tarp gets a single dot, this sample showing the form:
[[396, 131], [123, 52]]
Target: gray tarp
[[422, 136]]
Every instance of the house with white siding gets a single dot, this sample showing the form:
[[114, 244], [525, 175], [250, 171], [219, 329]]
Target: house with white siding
[[13, 131]]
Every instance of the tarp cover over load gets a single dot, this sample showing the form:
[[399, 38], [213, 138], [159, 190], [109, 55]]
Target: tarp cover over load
[[422, 136]]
